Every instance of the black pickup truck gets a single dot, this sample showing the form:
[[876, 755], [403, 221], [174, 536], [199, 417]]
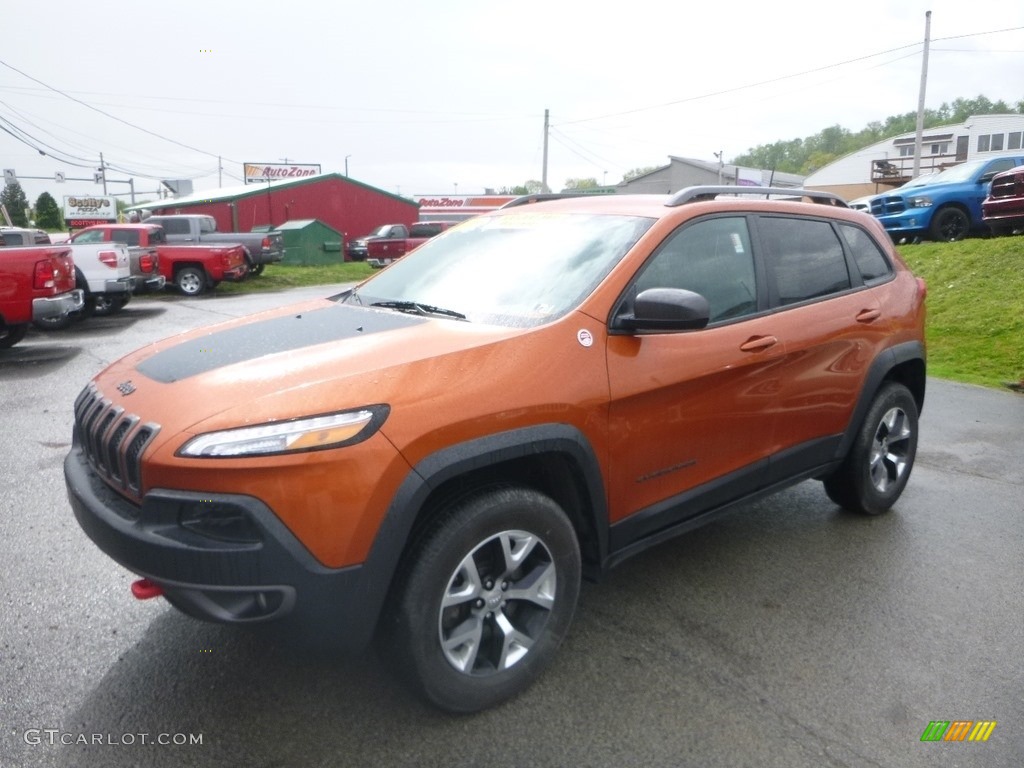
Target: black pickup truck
[[261, 248]]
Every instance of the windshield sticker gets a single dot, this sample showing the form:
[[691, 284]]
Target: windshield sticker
[[584, 337]]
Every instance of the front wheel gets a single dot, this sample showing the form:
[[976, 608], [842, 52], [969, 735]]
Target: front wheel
[[877, 468], [485, 600], [950, 224], [191, 281], [12, 334]]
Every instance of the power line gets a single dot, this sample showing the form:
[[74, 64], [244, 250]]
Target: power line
[[112, 117]]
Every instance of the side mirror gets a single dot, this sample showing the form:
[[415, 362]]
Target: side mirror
[[665, 309]]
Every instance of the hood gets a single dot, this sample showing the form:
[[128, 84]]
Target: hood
[[310, 359]]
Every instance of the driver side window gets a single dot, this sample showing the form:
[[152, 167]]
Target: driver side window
[[712, 258]]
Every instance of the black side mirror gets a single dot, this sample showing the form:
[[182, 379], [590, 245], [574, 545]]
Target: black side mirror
[[665, 309]]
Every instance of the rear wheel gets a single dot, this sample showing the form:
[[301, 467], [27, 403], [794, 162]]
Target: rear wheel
[[949, 224], [255, 270], [109, 305], [877, 468], [486, 599], [53, 323], [12, 334], [190, 280]]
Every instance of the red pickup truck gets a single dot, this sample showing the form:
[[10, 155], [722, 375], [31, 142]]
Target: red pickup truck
[[383, 250], [36, 283], [192, 268]]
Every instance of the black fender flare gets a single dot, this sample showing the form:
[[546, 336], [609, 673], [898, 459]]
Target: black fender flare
[[886, 362], [393, 535]]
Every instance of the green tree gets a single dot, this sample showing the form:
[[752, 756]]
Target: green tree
[[48, 213], [13, 198], [581, 183], [636, 172], [530, 187]]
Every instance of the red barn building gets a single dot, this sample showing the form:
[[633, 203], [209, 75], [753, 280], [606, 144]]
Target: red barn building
[[348, 206]]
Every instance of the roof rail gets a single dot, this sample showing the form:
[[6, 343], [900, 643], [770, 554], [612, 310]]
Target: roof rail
[[540, 197], [696, 194]]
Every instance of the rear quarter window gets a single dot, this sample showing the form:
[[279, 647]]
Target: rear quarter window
[[870, 259]]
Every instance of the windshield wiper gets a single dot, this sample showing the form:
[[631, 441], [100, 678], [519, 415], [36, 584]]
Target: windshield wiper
[[415, 308]]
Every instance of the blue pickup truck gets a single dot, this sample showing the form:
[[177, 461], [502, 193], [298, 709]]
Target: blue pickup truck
[[948, 207]]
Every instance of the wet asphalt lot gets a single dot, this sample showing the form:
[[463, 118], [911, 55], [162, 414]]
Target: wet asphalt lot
[[787, 634]]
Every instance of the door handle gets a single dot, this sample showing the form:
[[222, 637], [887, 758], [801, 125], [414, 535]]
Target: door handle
[[758, 343], [868, 315]]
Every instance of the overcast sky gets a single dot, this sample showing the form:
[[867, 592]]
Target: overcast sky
[[449, 96]]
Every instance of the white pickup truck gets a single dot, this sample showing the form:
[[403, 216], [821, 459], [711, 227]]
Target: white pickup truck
[[103, 272]]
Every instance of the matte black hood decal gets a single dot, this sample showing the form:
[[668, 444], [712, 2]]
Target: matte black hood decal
[[268, 337]]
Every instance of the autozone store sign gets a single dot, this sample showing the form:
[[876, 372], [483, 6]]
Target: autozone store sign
[[255, 172], [462, 204], [86, 210]]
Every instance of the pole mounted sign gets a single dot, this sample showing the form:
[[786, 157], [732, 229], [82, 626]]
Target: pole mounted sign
[[85, 211], [256, 172]]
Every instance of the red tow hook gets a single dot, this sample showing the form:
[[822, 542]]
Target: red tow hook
[[144, 589]]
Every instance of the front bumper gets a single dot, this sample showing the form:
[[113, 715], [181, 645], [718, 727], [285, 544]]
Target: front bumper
[[253, 570], [910, 222], [236, 273], [148, 284], [58, 306], [119, 286]]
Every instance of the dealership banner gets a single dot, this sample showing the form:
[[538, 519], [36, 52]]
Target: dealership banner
[[255, 172], [86, 210]]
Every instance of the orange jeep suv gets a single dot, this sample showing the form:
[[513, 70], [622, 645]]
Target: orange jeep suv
[[434, 459]]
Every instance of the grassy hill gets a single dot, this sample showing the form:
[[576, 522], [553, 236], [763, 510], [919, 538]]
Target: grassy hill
[[975, 326]]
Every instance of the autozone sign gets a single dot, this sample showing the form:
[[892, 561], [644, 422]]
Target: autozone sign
[[275, 171], [89, 207]]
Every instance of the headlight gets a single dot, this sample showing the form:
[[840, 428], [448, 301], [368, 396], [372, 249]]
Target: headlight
[[313, 433], [919, 202]]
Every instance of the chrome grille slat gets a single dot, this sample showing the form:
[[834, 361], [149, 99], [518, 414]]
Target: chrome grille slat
[[112, 440]]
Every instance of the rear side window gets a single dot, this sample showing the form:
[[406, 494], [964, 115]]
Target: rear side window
[[207, 225], [868, 256], [424, 230], [175, 226], [126, 236], [14, 238], [95, 236], [712, 258], [807, 259], [157, 236]]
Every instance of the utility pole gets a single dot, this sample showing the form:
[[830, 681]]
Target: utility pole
[[103, 173], [220, 171], [544, 171], [919, 136]]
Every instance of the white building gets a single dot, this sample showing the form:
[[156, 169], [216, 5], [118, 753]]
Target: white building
[[890, 163], [682, 172]]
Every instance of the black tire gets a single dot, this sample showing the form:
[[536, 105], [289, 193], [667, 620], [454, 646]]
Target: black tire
[[879, 463], [54, 323], [255, 270], [12, 334], [103, 305], [507, 562], [949, 225], [190, 280], [1000, 230]]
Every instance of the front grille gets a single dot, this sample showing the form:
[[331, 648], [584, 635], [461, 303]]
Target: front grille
[[112, 440], [883, 206], [1008, 186]]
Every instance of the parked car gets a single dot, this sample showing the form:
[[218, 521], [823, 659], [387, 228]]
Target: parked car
[[143, 260], [193, 269], [23, 236], [37, 283], [260, 248], [356, 249], [1003, 209], [103, 273], [435, 457], [381, 251], [947, 208], [864, 203]]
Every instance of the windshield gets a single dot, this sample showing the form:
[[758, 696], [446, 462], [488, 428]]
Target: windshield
[[962, 172], [517, 269]]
